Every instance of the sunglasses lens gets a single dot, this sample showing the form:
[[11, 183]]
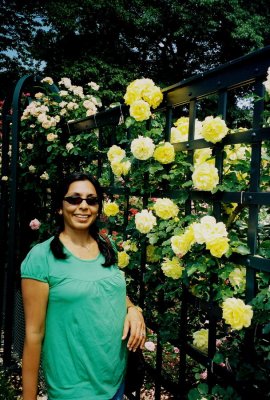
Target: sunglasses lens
[[75, 200], [92, 201]]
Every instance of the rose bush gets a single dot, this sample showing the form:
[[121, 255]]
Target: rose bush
[[181, 248]]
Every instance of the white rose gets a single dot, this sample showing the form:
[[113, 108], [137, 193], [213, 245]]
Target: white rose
[[44, 176], [145, 221], [142, 148], [93, 85], [32, 169], [69, 146]]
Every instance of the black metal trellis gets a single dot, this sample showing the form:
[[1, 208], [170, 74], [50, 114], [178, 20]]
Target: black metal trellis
[[8, 206], [247, 70]]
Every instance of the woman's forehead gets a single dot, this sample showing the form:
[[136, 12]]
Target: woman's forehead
[[85, 187]]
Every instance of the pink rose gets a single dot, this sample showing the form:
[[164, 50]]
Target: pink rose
[[203, 375], [34, 224], [218, 342], [150, 346]]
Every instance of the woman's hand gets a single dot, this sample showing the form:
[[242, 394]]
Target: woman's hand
[[134, 326]]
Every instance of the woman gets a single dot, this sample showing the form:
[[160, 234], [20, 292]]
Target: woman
[[77, 313]]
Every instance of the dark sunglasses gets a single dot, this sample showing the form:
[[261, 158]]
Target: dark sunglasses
[[76, 200]]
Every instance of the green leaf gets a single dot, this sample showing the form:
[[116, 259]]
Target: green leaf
[[154, 168], [218, 358], [203, 388], [241, 250], [129, 122], [186, 184], [266, 329], [194, 394]]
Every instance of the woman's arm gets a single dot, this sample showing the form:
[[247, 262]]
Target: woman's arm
[[135, 326], [35, 299]]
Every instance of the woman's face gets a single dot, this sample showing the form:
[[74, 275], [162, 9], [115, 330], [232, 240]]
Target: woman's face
[[80, 216]]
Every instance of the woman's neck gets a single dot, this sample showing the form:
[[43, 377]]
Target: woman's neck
[[80, 244], [77, 238]]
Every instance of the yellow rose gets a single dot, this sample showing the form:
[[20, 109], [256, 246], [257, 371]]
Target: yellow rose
[[145, 221], [165, 208], [123, 259], [129, 246], [181, 244], [115, 153], [172, 268], [214, 129], [142, 148], [132, 95], [176, 136], [140, 110], [236, 313], [150, 254], [153, 96], [229, 208], [238, 277], [180, 133], [205, 176], [241, 176], [48, 80], [110, 209], [39, 95], [120, 167], [136, 88], [235, 152], [165, 153], [202, 155], [51, 137], [125, 167], [200, 339], [218, 246]]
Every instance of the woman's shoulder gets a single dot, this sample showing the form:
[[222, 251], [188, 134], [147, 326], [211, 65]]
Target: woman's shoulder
[[40, 249], [35, 265]]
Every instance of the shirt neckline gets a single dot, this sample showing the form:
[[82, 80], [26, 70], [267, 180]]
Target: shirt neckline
[[78, 258]]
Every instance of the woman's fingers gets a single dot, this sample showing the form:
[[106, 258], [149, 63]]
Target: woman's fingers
[[134, 326]]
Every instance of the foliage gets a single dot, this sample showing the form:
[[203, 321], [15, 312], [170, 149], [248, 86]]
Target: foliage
[[217, 392], [114, 42], [6, 389], [196, 261]]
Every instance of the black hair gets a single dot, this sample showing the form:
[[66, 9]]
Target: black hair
[[58, 194]]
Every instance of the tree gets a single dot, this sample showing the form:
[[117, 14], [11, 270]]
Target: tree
[[166, 40], [20, 21]]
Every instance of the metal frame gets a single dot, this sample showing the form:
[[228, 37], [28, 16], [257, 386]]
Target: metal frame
[[8, 208]]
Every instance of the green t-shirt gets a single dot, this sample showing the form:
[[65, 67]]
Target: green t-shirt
[[83, 355]]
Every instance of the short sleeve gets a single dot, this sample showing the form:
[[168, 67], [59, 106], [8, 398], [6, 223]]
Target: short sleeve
[[35, 265]]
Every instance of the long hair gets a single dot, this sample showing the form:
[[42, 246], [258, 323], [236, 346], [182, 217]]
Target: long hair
[[58, 194]]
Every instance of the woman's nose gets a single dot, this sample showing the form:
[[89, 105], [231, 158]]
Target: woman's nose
[[83, 204]]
